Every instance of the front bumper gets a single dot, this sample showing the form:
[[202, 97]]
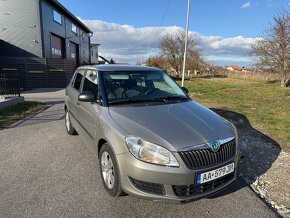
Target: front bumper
[[169, 178]]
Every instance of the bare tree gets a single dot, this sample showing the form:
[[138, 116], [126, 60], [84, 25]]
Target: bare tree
[[172, 49], [158, 61], [273, 51]]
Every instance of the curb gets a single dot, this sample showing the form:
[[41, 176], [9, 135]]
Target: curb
[[280, 210]]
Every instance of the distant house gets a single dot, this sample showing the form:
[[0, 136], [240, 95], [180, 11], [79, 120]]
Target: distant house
[[234, 68]]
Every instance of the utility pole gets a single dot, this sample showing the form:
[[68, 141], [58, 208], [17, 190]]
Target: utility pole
[[186, 41], [148, 54]]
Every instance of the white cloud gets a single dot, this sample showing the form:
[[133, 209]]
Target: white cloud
[[289, 4], [246, 5], [126, 43]]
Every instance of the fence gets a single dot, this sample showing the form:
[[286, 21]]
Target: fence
[[9, 86], [38, 72]]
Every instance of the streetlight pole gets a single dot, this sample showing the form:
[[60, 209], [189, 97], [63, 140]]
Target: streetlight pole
[[186, 41]]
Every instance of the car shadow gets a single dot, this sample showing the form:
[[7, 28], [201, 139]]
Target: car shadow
[[258, 151], [53, 112]]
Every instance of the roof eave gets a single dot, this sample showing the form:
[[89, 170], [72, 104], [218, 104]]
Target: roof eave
[[73, 17]]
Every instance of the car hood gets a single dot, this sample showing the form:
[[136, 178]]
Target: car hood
[[173, 126]]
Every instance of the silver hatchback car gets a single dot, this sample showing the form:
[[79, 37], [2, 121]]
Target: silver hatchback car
[[152, 140]]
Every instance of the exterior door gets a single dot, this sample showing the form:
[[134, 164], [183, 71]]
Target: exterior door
[[57, 47], [74, 53], [73, 92], [88, 113]]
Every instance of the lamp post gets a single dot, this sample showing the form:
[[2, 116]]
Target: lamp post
[[186, 41]]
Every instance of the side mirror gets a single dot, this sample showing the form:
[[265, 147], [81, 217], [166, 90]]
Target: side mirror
[[184, 89], [87, 96]]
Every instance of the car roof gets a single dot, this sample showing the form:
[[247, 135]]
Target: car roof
[[117, 67]]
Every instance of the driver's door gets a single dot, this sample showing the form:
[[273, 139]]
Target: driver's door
[[88, 112]]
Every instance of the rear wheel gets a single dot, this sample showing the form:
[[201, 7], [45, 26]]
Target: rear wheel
[[109, 171], [68, 126]]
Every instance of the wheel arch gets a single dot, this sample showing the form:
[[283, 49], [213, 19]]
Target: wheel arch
[[100, 144]]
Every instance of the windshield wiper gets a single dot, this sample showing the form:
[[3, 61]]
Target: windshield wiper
[[168, 98], [161, 99]]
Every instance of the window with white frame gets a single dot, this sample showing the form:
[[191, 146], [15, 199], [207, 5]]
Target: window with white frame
[[74, 28]]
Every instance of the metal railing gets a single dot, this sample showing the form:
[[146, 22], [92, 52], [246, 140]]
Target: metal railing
[[9, 85]]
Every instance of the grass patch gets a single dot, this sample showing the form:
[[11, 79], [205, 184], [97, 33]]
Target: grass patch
[[266, 105], [17, 112]]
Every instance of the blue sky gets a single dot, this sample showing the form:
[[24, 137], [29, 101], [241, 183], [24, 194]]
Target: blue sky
[[218, 23]]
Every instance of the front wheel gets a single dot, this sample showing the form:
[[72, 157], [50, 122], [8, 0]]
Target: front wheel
[[109, 171], [68, 126]]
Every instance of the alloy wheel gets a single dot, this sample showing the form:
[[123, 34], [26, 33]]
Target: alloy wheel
[[67, 121], [108, 170]]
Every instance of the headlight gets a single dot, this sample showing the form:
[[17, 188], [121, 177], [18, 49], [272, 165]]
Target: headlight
[[149, 152]]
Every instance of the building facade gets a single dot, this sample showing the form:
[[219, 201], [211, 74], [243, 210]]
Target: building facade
[[44, 29], [94, 48]]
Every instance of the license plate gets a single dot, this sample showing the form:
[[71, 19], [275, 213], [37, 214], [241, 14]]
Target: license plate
[[215, 174]]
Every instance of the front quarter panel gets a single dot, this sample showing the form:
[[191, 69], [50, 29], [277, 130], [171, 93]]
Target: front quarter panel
[[111, 131]]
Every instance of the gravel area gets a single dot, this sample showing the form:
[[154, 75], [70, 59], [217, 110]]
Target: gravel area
[[263, 165]]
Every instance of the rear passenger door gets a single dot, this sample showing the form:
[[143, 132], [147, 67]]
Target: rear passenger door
[[73, 93]]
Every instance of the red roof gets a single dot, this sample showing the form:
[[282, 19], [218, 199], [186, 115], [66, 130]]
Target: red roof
[[236, 67]]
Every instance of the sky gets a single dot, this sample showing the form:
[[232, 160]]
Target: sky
[[131, 30]]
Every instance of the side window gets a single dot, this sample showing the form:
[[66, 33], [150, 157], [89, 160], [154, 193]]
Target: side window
[[91, 82], [78, 80]]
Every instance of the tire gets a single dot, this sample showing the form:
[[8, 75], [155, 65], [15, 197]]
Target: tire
[[109, 169], [68, 126]]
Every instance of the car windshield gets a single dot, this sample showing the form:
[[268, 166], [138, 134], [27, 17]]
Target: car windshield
[[125, 87]]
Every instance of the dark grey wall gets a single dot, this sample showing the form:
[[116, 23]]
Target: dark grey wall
[[20, 28], [63, 30]]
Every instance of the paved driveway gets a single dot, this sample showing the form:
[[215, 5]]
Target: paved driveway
[[46, 173]]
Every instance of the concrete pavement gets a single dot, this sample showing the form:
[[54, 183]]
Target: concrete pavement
[[46, 173]]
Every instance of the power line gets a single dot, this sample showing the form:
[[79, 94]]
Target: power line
[[165, 12]]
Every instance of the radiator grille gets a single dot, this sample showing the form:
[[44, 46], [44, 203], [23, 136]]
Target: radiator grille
[[205, 157]]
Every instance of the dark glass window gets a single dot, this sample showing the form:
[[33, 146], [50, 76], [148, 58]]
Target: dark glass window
[[78, 81], [91, 82]]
